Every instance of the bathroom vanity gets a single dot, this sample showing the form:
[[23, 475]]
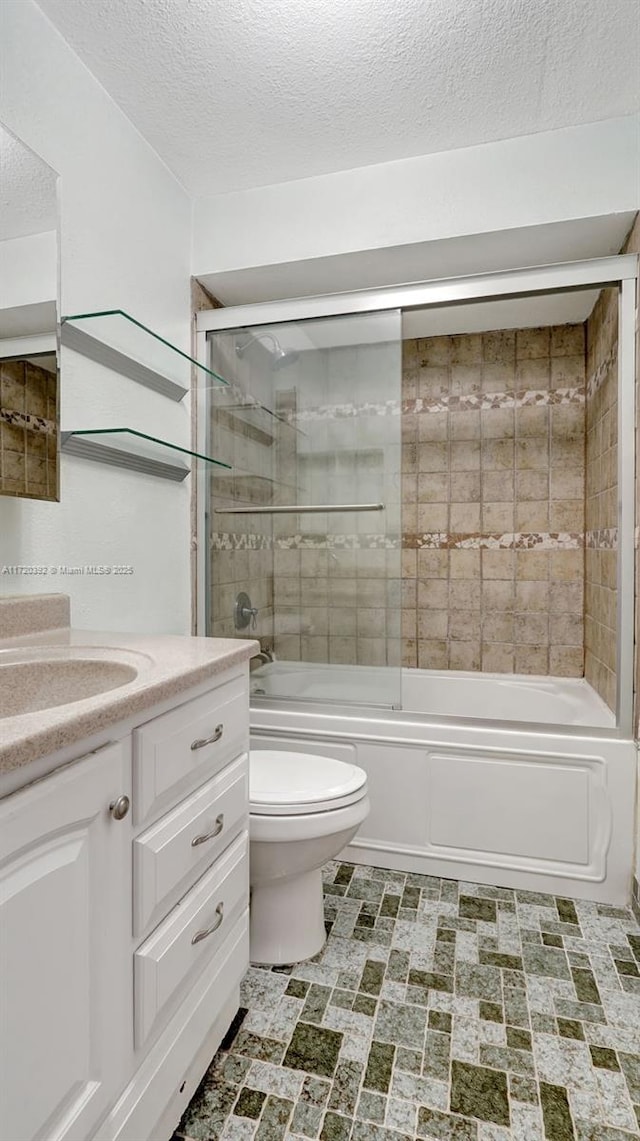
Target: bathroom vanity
[[124, 893]]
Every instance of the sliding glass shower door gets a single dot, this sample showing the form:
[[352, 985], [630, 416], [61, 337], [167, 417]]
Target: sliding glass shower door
[[305, 530]]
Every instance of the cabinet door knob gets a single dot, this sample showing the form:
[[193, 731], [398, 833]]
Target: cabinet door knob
[[119, 808], [215, 736]]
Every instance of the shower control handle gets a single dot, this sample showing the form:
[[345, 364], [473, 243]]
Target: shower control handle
[[244, 613]]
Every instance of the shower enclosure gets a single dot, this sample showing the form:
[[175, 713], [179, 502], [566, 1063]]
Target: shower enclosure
[[429, 525], [413, 501]]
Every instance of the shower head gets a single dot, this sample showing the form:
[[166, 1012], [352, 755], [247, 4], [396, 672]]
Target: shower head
[[280, 357]]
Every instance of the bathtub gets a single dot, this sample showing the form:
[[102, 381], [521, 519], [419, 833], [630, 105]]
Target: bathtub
[[435, 693], [514, 781]]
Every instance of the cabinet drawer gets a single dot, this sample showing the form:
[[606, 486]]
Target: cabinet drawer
[[172, 853], [179, 750], [194, 931]]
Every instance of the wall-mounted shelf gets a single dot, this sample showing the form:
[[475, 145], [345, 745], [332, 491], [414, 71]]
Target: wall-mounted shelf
[[128, 448], [119, 342]]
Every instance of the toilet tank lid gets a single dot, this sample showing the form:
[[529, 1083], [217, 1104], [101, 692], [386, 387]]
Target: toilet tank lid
[[279, 777]]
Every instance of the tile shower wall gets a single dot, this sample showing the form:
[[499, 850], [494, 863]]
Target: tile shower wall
[[28, 431], [493, 501], [602, 496]]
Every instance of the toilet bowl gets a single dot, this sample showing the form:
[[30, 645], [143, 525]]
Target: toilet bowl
[[304, 809]]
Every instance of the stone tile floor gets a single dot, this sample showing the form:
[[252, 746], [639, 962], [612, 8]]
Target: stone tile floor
[[437, 1009]]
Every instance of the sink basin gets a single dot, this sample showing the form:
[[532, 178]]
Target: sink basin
[[46, 676]]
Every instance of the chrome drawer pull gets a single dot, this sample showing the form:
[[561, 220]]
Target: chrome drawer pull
[[215, 736], [200, 935], [210, 835]]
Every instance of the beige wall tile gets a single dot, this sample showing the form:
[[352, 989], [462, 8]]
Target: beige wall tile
[[532, 343], [433, 487], [499, 347], [432, 624], [432, 517], [497, 424], [465, 564], [532, 565], [465, 425], [497, 657], [433, 594], [497, 517], [531, 629], [532, 660], [433, 426], [464, 518], [497, 455], [532, 595], [497, 626], [434, 564], [498, 564], [432, 655], [465, 656], [465, 456], [465, 487], [464, 625]]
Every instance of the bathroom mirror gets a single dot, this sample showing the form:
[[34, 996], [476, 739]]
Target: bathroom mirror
[[29, 388]]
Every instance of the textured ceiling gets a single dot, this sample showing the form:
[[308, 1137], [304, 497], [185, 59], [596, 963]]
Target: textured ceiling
[[246, 93], [27, 190]]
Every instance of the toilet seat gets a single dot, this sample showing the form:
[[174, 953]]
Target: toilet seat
[[283, 783]]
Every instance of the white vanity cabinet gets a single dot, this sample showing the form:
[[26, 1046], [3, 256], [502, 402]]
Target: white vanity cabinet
[[124, 930], [65, 875]]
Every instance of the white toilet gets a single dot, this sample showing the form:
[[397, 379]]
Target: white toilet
[[304, 809]]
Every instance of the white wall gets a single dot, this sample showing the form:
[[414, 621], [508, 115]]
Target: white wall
[[125, 233], [28, 270], [578, 172]]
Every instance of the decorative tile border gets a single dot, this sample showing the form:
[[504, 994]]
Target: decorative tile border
[[466, 402], [509, 541], [604, 539], [431, 540], [28, 421], [486, 401], [597, 378], [228, 541]]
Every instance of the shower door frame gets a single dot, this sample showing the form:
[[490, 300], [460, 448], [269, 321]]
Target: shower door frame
[[619, 272]]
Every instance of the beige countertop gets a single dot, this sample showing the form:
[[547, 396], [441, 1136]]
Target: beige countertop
[[167, 666]]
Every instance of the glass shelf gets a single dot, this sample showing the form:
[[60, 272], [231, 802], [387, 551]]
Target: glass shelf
[[123, 344], [247, 409], [128, 448]]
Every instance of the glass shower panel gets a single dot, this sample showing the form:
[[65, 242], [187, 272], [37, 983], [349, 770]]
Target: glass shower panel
[[308, 524]]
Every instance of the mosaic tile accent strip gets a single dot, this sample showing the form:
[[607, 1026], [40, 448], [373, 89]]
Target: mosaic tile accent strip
[[465, 402], [440, 1010], [600, 374], [430, 540], [29, 422], [227, 541], [604, 539], [487, 401], [510, 541]]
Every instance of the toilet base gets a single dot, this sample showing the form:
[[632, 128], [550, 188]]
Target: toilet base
[[287, 919]]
